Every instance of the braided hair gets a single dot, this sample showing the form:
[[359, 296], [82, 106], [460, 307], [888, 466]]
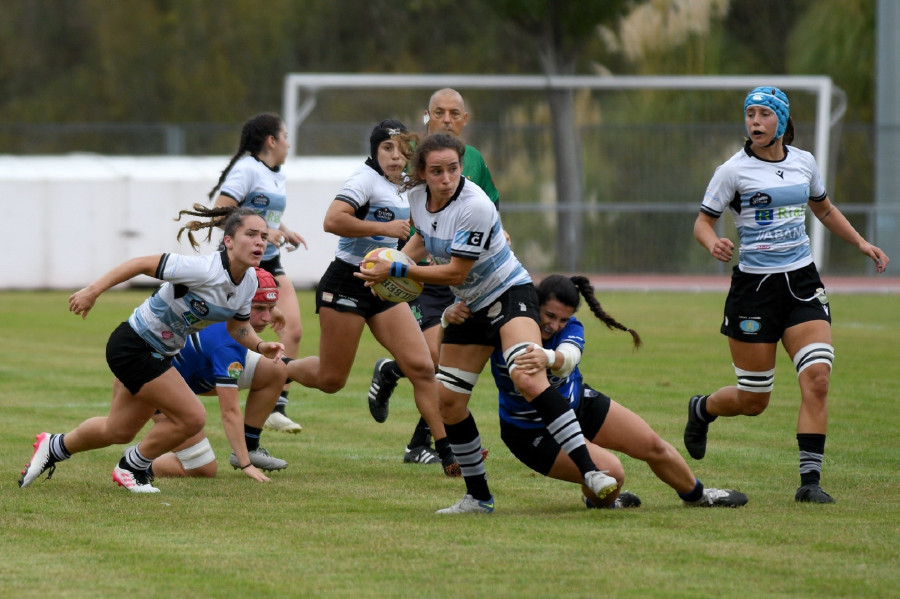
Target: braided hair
[[254, 134], [228, 218], [569, 290]]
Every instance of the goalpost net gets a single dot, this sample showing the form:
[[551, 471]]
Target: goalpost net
[[648, 144]]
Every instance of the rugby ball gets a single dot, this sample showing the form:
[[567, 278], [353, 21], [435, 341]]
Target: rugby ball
[[394, 289]]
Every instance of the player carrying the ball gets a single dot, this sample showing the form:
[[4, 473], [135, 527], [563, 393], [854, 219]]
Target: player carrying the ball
[[371, 212], [458, 225]]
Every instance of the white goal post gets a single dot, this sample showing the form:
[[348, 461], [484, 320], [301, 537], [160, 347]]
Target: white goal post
[[300, 95]]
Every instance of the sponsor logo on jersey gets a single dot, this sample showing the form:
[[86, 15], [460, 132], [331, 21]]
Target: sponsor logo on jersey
[[191, 319], [765, 217], [780, 174], [475, 238], [260, 200], [750, 326], [235, 369], [760, 199], [790, 212], [384, 215], [494, 310], [200, 307], [781, 234], [327, 296]]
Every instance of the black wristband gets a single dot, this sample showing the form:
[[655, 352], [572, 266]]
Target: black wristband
[[258, 343], [247, 466]]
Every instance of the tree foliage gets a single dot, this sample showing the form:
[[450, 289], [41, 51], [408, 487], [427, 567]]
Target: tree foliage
[[203, 60]]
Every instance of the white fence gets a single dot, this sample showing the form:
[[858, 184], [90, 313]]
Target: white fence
[[69, 219]]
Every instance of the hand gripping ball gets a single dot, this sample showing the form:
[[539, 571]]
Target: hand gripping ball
[[394, 289]]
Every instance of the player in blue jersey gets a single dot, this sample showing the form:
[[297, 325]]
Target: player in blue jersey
[[213, 363], [606, 424], [253, 179], [446, 113], [776, 293], [197, 291], [371, 212], [459, 227]]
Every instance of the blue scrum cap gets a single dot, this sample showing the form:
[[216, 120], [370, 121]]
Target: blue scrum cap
[[773, 98]]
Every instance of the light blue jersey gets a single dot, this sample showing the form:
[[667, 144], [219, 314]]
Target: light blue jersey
[[373, 198], [513, 407], [198, 291], [768, 201], [469, 227], [252, 184]]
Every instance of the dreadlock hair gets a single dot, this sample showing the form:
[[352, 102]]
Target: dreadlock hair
[[566, 291], [254, 134], [228, 218]]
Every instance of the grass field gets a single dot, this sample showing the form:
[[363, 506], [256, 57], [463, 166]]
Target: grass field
[[348, 518]]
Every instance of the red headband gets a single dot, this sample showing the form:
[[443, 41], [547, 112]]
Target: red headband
[[267, 293]]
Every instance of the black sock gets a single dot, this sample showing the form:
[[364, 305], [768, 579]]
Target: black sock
[[281, 403], [251, 436], [465, 441], [422, 434], [442, 446], [701, 409], [391, 371], [562, 423], [133, 460], [58, 451], [812, 449]]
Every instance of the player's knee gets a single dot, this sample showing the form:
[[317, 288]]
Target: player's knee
[[754, 404], [658, 449], [332, 384], [120, 436], [291, 334], [816, 380], [193, 422], [529, 385], [275, 376], [420, 369]]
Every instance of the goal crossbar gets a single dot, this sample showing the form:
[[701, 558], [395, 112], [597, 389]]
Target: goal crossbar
[[301, 89]]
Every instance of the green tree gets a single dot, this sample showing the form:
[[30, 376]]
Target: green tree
[[559, 32]]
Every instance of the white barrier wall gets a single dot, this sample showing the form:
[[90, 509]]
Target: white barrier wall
[[69, 219]]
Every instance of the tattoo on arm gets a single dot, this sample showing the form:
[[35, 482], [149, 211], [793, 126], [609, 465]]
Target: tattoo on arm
[[242, 333]]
